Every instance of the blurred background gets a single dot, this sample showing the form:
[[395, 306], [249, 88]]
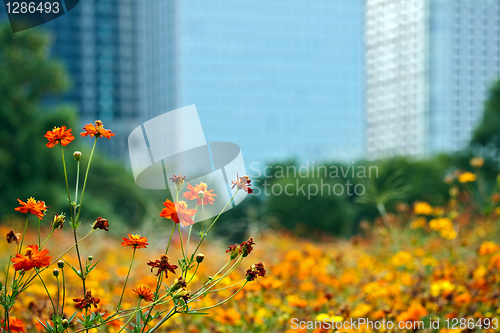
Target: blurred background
[[408, 86]]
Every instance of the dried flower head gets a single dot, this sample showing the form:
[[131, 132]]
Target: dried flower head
[[178, 283], [247, 247], [162, 265], [101, 223], [234, 250], [13, 237], [255, 270], [59, 135], [87, 301], [178, 181]]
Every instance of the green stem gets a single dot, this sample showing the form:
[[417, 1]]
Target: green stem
[[46, 290], [182, 246], [66, 179], [64, 292], [211, 225], [80, 261], [45, 241], [227, 300], [58, 294], [126, 280], [39, 237], [131, 316], [24, 233], [85, 181], [170, 240]]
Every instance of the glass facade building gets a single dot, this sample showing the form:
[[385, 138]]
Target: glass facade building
[[281, 79], [429, 65]]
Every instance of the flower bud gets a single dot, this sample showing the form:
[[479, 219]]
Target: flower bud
[[178, 283], [90, 258], [77, 155], [182, 293], [55, 272], [58, 221], [65, 323], [201, 194], [60, 264], [200, 257]]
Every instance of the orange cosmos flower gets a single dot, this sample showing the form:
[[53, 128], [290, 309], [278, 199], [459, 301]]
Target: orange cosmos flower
[[15, 325], [35, 207], [87, 301], [200, 193], [59, 135], [97, 130], [136, 241], [32, 258], [144, 293], [179, 212]]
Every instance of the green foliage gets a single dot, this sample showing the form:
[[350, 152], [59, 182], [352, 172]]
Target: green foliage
[[487, 134], [28, 76]]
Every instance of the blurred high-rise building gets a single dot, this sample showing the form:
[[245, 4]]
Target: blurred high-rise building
[[281, 79], [429, 65]]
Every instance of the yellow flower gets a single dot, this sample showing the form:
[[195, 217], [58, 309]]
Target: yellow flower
[[467, 177], [443, 287], [488, 248], [423, 208], [477, 162], [421, 222], [402, 258], [444, 226]]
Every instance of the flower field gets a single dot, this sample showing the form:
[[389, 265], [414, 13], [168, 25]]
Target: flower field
[[419, 272], [423, 268]]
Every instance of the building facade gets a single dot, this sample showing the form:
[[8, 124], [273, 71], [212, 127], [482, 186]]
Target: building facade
[[281, 79], [429, 65]]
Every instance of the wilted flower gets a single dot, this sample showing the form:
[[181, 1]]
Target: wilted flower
[[32, 206], [162, 265], [234, 250], [183, 294], [13, 237], [243, 183], [247, 247], [87, 301], [178, 283], [97, 130], [59, 135], [178, 181], [254, 271], [101, 223], [32, 258]]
